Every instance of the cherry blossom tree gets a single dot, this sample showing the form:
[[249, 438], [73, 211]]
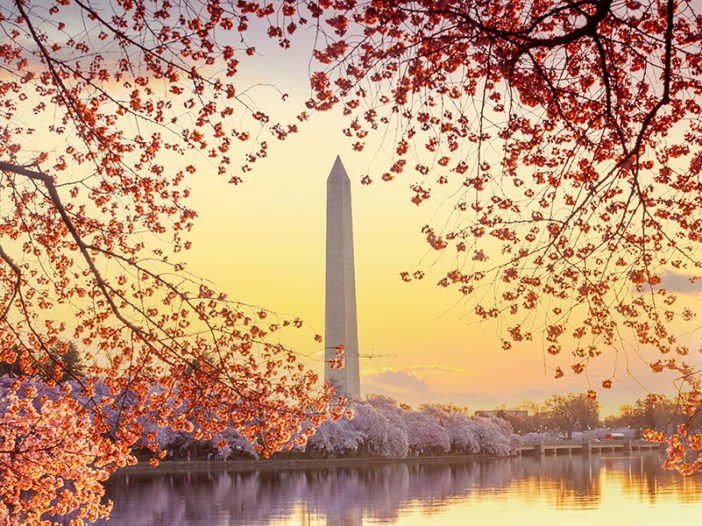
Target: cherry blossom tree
[[50, 457], [104, 105], [425, 433], [382, 435], [381, 427], [459, 427], [395, 442], [566, 135], [230, 442], [492, 438], [335, 436]]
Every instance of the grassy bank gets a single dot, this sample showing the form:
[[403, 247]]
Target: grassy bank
[[180, 466]]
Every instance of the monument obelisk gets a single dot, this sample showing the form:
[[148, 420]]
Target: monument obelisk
[[340, 309]]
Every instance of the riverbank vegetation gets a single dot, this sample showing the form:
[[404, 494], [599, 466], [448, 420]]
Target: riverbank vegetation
[[562, 417], [376, 426]]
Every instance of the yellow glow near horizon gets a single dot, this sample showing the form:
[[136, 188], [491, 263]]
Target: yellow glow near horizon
[[262, 243]]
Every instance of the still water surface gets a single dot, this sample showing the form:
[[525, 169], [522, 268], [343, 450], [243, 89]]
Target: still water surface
[[599, 490]]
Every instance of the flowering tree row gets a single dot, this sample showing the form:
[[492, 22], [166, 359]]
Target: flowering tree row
[[381, 427], [375, 426], [59, 442], [566, 139]]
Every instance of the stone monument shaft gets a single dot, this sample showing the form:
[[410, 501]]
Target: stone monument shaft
[[340, 309]]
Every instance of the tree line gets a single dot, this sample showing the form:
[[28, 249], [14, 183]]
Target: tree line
[[376, 426], [576, 412], [380, 426]]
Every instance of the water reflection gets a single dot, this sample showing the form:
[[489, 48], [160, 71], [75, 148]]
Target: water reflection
[[393, 493]]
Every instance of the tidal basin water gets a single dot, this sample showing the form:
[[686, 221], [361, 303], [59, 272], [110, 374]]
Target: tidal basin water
[[598, 490]]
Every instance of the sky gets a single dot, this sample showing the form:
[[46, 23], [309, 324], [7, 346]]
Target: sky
[[262, 242]]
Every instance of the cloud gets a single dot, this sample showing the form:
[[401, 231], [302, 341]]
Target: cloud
[[421, 369], [397, 382], [435, 368], [679, 283], [408, 385], [405, 385], [412, 380]]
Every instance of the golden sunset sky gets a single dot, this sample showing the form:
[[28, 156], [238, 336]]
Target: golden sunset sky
[[262, 242]]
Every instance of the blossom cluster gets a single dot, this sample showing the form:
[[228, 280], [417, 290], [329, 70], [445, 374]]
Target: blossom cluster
[[381, 427], [51, 457]]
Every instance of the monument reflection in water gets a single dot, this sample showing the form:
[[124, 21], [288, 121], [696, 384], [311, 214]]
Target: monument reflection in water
[[564, 490]]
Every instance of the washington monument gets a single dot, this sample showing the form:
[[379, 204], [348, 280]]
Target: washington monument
[[340, 309]]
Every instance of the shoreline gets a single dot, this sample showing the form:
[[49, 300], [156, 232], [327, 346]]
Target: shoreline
[[183, 466], [272, 464]]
